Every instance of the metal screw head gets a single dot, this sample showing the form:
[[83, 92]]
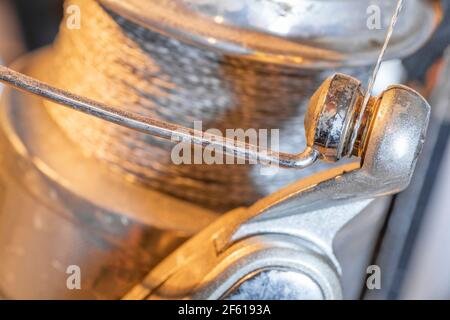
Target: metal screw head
[[330, 116]]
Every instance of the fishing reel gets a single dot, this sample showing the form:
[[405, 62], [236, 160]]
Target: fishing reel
[[282, 246], [74, 210]]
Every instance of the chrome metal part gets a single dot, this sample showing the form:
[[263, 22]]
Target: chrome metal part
[[284, 31], [287, 230], [330, 117], [293, 230], [329, 122], [155, 127], [285, 238], [155, 73]]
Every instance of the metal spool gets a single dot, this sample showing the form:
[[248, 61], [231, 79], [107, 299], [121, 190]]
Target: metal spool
[[133, 67]]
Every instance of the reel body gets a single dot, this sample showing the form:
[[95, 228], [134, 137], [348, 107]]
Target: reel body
[[61, 207], [282, 246]]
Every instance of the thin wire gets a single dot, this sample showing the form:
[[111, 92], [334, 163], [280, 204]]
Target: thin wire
[[376, 69]]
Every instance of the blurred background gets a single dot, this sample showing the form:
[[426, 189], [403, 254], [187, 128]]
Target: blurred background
[[414, 244]]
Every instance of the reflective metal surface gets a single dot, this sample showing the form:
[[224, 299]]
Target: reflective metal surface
[[307, 32], [89, 198], [276, 285], [155, 127], [330, 118], [295, 227], [60, 208]]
